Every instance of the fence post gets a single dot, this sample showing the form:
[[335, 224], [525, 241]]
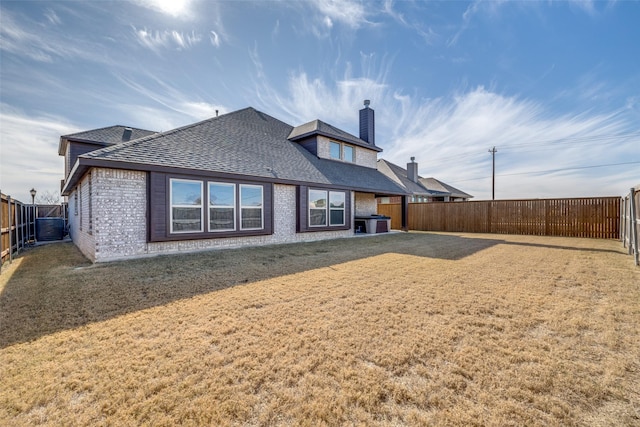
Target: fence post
[[633, 222], [623, 212], [1, 234], [20, 229], [10, 234]]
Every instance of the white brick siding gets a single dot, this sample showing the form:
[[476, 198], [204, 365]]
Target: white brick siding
[[119, 212], [79, 202], [365, 204], [364, 157], [367, 158]]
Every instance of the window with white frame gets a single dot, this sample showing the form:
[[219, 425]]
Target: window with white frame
[[334, 150], [318, 208], [348, 153], [326, 208], [251, 207], [186, 206], [222, 206], [344, 152]]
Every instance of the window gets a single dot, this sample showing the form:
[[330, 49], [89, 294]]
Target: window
[[323, 210], [317, 208], [348, 154], [186, 206], [343, 152], [334, 150], [336, 208], [222, 206], [251, 201], [320, 210], [189, 207]]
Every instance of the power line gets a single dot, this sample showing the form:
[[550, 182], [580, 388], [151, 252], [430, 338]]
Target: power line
[[550, 143], [552, 170]]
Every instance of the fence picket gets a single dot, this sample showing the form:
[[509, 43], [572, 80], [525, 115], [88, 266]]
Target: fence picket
[[593, 217]]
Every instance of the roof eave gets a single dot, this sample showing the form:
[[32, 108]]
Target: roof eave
[[362, 144], [85, 163]]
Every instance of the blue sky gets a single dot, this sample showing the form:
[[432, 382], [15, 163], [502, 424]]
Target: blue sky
[[554, 86]]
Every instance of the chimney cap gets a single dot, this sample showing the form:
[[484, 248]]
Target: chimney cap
[[413, 159], [366, 102]]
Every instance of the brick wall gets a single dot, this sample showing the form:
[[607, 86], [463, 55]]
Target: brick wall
[[79, 202], [119, 208], [364, 157], [365, 204], [119, 213]]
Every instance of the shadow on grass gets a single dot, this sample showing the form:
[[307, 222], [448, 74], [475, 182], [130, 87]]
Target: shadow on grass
[[562, 247], [54, 288]]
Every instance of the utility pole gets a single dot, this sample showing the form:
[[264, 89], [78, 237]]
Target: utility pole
[[493, 152]]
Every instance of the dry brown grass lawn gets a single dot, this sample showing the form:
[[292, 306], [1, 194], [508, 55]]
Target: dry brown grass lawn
[[404, 329]]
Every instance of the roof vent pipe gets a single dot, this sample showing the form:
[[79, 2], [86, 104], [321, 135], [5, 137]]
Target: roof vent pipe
[[367, 123], [126, 135], [412, 170]]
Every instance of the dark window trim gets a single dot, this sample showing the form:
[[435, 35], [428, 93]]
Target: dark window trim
[[302, 209], [84, 164], [159, 206]]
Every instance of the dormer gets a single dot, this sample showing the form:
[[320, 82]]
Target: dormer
[[329, 142]]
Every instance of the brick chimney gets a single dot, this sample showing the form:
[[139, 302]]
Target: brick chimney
[[412, 170], [367, 124]]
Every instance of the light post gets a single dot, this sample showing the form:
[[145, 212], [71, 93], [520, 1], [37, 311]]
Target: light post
[[33, 211]]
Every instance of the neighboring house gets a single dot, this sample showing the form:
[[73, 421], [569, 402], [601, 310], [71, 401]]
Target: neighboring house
[[243, 178], [421, 190]]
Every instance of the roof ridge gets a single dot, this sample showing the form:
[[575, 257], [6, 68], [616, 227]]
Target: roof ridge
[[106, 127]]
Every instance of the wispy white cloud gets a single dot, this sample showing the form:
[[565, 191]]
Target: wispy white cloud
[[215, 39], [157, 40], [52, 17], [174, 8], [348, 12], [37, 158], [308, 98], [47, 45], [428, 34], [488, 8], [174, 107], [17, 40], [276, 29], [586, 6], [450, 136]]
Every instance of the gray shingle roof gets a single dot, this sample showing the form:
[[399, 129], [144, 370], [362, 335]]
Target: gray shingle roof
[[437, 185], [246, 142], [109, 135], [424, 186], [104, 136], [321, 128]]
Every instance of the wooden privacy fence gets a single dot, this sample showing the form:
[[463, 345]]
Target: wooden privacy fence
[[17, 226], [630, 226], [595, 217]]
